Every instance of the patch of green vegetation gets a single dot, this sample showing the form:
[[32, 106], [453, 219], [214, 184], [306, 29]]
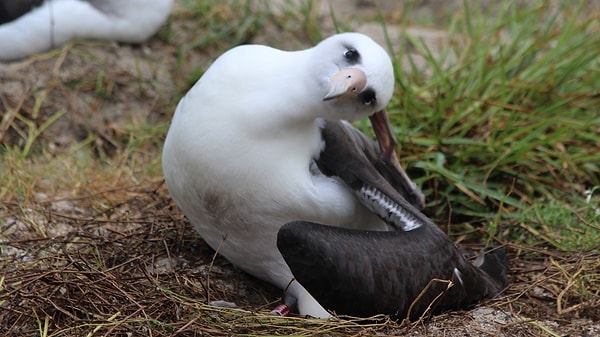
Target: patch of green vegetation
[[567, 226], [226, 23], [215, 26], [505, 120]]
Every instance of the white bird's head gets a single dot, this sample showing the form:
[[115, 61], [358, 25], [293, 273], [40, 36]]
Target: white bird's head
[[355, 75]]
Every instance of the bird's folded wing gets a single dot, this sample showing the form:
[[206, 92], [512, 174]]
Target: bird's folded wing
[[363, 273], [381, 187]]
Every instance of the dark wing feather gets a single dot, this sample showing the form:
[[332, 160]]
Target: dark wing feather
[[363, 273], [381, 187], [13, 9]]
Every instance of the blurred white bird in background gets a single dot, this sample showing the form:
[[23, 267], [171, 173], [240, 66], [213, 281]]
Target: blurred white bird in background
[[33, 26]]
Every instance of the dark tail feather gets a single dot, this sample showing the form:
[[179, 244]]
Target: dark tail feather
[[495, 264]]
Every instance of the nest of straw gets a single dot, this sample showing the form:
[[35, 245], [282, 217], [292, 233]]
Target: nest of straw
[[138, 268]]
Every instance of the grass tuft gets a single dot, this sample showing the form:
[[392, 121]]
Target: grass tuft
[[507, 115]]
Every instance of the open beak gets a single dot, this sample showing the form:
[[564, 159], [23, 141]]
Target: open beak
[[346, 83], [387, 144]]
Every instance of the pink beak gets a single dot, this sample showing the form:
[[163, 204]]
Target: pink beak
[[346, 83]]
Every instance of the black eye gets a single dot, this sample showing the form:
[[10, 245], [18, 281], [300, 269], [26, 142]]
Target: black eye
[[351, 55], [367, 97]]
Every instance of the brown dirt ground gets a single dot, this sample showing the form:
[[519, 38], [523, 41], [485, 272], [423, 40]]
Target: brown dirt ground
[[111, 254]]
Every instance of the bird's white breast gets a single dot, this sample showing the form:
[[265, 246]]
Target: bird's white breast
[[237, 157]]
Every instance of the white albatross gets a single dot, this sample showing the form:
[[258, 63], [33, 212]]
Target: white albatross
[[33, 26], [241, 155]]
